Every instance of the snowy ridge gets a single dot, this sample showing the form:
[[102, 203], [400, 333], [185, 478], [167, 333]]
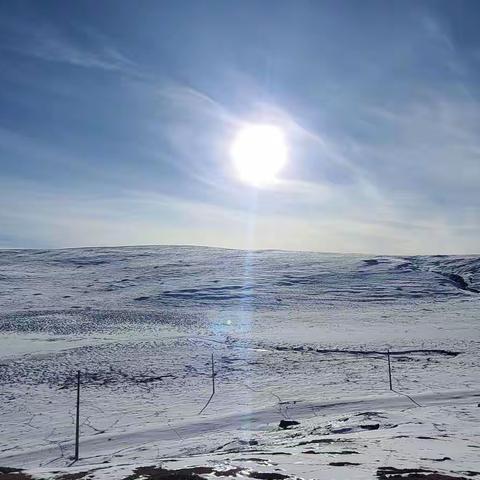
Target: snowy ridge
[[194, 276], [464, 272]]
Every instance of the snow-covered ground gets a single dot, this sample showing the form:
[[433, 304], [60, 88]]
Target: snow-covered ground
[[296, 336]]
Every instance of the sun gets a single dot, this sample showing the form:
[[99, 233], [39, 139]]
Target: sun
[[259, 153]]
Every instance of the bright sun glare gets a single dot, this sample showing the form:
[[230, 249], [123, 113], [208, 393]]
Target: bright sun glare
[[259, 152]]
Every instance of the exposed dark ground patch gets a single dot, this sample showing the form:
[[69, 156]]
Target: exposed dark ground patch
[[10, 470], [421, 351], [267, 475], [8, 473], [157, 473], [392, 473], [73, 476], [195, 473], [15, 476], [343, 452], [327, 441]]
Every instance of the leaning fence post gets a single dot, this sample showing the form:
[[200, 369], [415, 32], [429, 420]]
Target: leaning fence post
[[77, 418], [389, 369], [213, 387], [213, 377]]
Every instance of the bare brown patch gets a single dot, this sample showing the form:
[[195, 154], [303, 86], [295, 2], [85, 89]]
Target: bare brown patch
[[392, 473], [195, 473], [267, 475], [342, 452], [15, 476]]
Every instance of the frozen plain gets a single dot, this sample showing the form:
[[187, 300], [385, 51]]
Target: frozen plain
[[294, 336]]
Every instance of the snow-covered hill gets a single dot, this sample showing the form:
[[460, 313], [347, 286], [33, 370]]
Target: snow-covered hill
[[133, 277], [294, 335]]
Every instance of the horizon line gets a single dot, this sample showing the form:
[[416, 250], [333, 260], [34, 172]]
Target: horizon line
[[187, 245]]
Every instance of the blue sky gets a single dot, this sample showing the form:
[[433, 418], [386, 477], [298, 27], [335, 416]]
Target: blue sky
[[116, 120]]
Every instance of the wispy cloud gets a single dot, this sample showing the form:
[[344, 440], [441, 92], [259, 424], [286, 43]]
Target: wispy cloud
[[45, 42], [199, 130], [434, 141]]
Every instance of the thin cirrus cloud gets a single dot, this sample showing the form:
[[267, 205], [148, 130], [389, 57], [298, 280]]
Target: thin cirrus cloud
[[44, 41]]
